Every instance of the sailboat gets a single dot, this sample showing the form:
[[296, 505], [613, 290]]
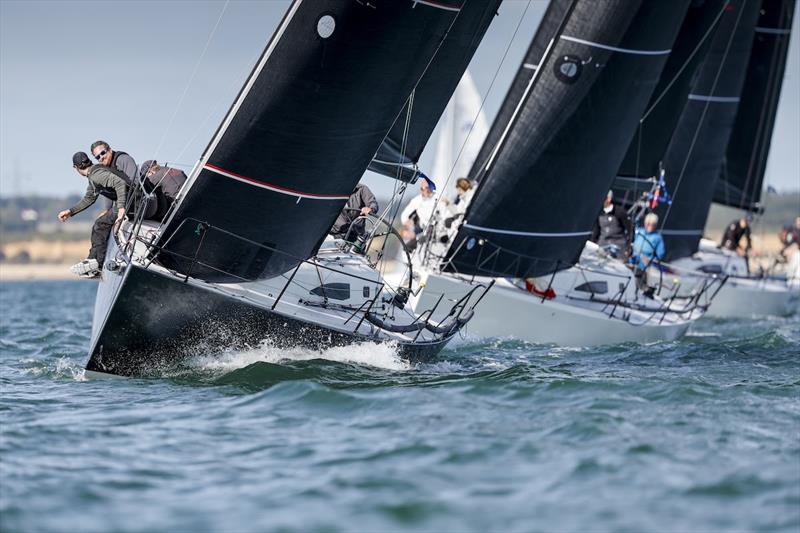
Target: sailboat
[[742, 174], [243, 255], [552, 152], [725, 118]]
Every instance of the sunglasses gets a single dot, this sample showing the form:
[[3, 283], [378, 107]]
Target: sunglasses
[[101, 154]]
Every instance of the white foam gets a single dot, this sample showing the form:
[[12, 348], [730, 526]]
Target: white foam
[[379, 355], [63, 367]]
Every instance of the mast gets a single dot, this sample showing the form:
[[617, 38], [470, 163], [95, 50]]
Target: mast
[[564, 141]]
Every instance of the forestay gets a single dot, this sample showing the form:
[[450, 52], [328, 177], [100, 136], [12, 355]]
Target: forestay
[[742, 174], [557, 153], [300, 134], [399, 153]]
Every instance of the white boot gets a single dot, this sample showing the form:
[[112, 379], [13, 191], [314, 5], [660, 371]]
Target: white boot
[[88, 268]]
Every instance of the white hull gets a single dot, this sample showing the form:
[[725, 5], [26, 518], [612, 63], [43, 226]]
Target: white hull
[[508, 311], [742, 296], [754, 297]]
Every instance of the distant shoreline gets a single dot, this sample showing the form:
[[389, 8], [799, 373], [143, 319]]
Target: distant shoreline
[[35, 272]]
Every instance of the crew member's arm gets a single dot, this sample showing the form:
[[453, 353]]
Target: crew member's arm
[[107, 178], [88, 199]]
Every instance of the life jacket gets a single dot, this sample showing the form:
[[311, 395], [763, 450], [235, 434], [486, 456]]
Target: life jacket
[[119, 172]]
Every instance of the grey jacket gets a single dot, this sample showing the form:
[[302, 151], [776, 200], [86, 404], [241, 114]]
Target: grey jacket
[[102, 181], [361, 197], [170, 180]]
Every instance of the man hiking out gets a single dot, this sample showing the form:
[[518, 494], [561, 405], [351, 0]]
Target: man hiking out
[[103, 181]]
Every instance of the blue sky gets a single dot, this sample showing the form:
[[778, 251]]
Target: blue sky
[[75, 71]]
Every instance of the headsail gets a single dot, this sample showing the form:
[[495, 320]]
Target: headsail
[[303, 129], [694, 155], [399, 154], [561, 147], [742, 175]]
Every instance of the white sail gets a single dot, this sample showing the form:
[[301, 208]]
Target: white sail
[[463, 125]]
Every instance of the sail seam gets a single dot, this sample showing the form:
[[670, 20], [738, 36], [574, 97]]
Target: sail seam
[[437, 5], [719, 99], [274, 188], [528, 233], [617, 49], [773, 31]]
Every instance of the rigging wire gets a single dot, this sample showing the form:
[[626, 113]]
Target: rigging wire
[[705, 110], [191, 79]]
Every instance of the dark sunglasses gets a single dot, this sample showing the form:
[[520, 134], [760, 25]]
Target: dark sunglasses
[[101, 154]]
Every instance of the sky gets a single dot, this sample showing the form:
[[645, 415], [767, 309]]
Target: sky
[[154, 78]]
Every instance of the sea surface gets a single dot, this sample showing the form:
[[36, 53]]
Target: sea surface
[[702, 434]]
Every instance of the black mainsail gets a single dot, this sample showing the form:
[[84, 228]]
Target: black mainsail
[[400, 151], [646, 152], [322, 97], [694, 156], [563, 144], [742, 174], [548, 27]]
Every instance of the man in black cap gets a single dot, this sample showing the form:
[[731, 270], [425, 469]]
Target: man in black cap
[[106, 182]]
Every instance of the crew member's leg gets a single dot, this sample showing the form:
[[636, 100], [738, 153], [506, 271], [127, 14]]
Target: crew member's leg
[[100, 232]]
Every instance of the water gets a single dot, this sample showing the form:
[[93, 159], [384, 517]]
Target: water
[[700, 434]]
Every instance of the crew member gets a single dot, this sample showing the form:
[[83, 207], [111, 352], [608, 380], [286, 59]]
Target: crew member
[[734, 233], [613, 226], [165, 181], [648, 246], [418, 212], [106, 182], [119, 160], [361, 203]]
